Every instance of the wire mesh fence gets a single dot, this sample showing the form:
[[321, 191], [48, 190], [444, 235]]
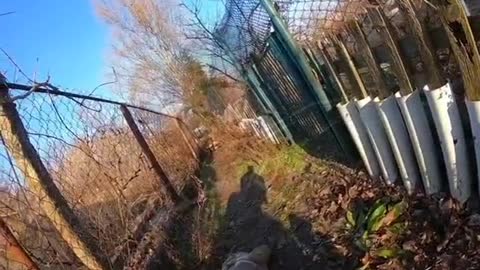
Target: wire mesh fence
[[97, 165], [244, 29], [308, 19]]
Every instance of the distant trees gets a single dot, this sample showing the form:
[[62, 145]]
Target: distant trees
[[162, 52], [152, 60]]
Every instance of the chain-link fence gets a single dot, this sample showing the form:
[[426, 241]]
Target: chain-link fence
[[308, 19], [97, 164], [244, 29]]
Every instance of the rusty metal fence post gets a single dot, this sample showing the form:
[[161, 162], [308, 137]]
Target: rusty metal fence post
[[172, 193]]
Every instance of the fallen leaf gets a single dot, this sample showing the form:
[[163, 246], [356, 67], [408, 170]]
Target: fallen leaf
[[351, 218], [395, 212], [388, 253]]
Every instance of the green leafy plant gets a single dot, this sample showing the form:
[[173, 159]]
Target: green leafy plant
[[369, 225]]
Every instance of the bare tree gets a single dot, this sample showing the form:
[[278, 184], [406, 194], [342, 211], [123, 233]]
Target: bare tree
[[200, 30], [150, 55]]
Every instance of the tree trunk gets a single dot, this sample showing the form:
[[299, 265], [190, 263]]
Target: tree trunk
[[16, 256]]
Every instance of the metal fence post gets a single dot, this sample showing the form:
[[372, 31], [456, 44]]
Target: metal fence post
[[378, 17], [320, 72], [349, 60], [252, 78], [331, 69], [15, 137], [172, 193], [372, 63], [179, 125], [297, 54]]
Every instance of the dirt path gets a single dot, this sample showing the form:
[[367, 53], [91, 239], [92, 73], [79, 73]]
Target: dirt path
[[302, 217], [316, 214]]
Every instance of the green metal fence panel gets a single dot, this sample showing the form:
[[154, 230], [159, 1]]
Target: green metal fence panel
[[284, 78], [297, 104]]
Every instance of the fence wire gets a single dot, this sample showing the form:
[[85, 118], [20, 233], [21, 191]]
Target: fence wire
[[244, 28], [98, 166], [308, 19]]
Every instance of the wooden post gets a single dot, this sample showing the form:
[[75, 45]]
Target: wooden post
[[459, 13], [13, 250], [149, 154], [372, 62], [348, 58], [419, 29], [379, 20], [329, 64], [41, 183], [467, 55]]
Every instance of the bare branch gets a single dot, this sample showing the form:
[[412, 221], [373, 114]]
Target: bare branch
[[7, 13], [16, 65], [223, 72]]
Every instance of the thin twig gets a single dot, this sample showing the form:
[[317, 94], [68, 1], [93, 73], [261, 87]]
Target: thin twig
[[103, 84], [28, 93], [430, 4], [7, 13], [223, 72]]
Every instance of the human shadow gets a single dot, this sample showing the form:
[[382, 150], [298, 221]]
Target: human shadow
[[247, 226], [317, 250]]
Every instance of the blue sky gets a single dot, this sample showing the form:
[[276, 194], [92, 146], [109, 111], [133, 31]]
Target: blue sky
[[63, 38]]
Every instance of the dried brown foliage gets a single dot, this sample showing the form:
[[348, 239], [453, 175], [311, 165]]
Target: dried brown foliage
[[152, 60], [100, 170]]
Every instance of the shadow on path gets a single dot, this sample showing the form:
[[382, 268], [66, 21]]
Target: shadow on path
[[248, 226]]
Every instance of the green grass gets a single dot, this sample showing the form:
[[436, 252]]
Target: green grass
[[287, 160]]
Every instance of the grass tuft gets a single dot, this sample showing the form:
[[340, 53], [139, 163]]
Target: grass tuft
[[287, 160]]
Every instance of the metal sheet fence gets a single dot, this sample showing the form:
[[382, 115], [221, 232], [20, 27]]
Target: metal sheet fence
[[297, 103]]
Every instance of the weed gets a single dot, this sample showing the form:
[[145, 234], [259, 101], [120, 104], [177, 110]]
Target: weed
[[288, 160], [372, 227]]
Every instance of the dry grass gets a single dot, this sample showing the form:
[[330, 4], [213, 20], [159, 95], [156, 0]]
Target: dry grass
[[108, 182]]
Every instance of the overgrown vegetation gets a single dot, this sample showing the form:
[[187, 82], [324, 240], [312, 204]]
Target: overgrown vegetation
[[314, 214], [284, 160], [320, 215]]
